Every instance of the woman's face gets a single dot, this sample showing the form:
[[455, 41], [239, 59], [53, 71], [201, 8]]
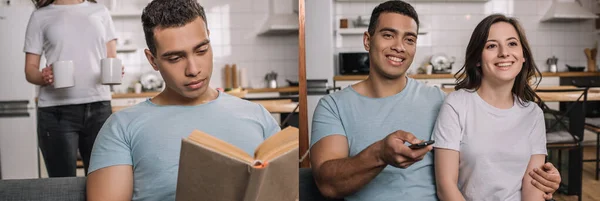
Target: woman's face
[[502, 56]]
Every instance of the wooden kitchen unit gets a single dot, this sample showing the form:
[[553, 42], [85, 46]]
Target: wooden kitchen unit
[[450, 76], [593, 94], [548, 79], [280, 90], [122, 101]]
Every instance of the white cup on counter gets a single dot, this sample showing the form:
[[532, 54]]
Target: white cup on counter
[[63, 74], [112, 70], [137, 88]]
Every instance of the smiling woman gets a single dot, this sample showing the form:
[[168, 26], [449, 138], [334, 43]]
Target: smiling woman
[[482, 50], [492, 88]]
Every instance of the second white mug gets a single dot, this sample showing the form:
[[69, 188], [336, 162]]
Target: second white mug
[[112, 70]]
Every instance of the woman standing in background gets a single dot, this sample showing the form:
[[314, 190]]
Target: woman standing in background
[[69, 118]]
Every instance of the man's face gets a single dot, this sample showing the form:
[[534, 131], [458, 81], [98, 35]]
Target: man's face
[[184, 58], [392, 46]]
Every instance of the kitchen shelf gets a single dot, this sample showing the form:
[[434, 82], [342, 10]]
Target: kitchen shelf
[[134, 95], [126, 49], [280, 89], [273, 106], [352, 31], [570, 74], [451, 76], [360, 31], [414, 76], [257, 90], [416, 1], [126, 14]]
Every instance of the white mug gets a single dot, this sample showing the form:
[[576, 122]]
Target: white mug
[[112, 70], [63, 74]]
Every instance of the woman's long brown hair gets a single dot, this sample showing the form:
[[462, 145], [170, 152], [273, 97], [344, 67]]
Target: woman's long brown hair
[[44, 3], [470, 75]]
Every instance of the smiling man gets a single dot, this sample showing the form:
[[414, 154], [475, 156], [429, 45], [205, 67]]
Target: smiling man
[[136, 155], [360, 134]]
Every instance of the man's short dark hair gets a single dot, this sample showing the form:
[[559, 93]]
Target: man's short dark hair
[[399, 7], [168, 14]]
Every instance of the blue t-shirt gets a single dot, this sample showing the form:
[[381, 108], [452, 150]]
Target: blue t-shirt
[[148, 137], [364, 120]]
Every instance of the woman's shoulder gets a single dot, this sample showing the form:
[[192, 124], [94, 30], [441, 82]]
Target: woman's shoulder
[[97, 6], [460, 95], [530, 107]]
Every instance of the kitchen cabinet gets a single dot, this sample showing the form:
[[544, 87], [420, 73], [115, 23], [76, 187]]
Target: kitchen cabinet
[[415, 1], [18, 130], [360, 31], [124, 9], [549, 79], [126, 14], [122, 101], [280, 108], [431, 82], [592, 107], [356, 34], [127, 101]]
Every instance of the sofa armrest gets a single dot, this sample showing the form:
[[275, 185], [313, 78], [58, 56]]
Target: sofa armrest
[[46, 189]]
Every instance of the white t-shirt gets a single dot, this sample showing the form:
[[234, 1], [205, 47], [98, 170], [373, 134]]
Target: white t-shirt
[[77, 32], [495, 144]]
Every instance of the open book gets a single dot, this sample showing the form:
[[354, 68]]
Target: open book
[[212, 169]]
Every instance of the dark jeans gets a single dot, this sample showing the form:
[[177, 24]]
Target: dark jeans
[[64, 129]]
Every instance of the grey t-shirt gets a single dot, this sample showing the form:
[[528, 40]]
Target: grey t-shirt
[[495, 144], [148, 137], [364, 120]]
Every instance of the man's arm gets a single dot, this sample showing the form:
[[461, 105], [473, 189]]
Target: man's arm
[[338, 175], [446, 174], [110, 183], [547, 179], [530, 192]]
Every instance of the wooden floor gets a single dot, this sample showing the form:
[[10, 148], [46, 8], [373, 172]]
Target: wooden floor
[[591, 186]]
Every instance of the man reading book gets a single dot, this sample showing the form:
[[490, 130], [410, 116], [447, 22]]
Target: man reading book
[[136, 154], [358, 149]]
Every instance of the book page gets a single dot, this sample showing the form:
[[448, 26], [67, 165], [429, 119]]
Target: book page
[[277, 144], [220, 146]]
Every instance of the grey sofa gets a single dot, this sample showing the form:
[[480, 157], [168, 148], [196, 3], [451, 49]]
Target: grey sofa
[[73, 189], [308, 188], [47, 189]]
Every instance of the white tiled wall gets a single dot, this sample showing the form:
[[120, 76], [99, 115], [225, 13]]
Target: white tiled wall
[[233, 26], [450, 25]]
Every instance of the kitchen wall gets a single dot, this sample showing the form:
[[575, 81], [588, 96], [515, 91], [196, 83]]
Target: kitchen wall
[[233, 26], [449, 26]]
